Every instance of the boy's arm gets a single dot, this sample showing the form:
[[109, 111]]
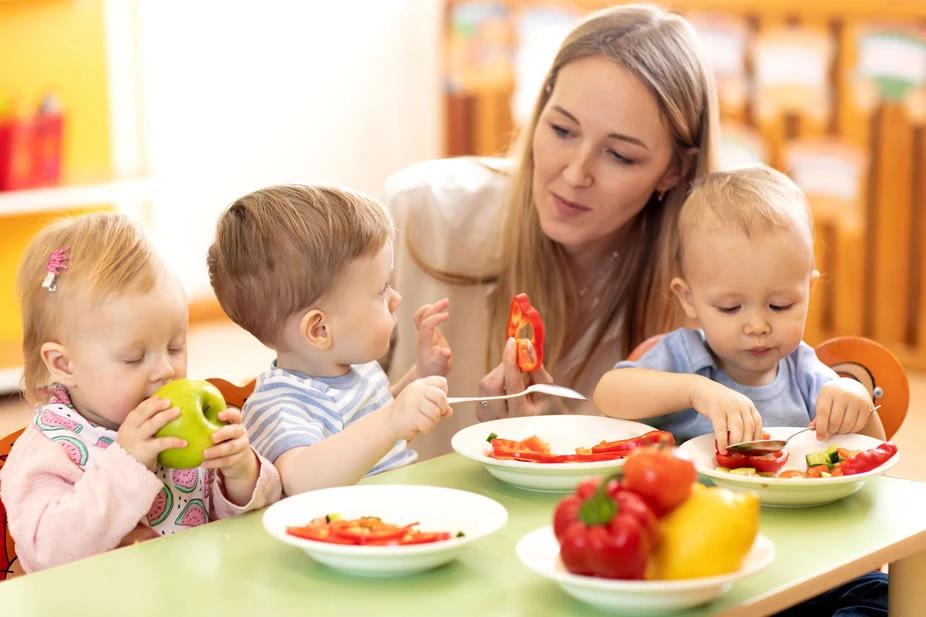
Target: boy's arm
[[434, 355], [639, 393], [341, 459]]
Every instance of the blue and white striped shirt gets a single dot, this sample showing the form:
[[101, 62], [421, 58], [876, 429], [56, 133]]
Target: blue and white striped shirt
[[290, 410]]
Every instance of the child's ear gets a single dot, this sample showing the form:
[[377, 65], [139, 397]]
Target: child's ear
[[58, 363], [681, 290], [315, 329]]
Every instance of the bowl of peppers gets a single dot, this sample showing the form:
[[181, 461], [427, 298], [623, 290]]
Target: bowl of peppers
[[650, 541], [806, 473]]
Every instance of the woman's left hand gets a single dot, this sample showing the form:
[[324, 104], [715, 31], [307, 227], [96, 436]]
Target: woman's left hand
[[507, 378]]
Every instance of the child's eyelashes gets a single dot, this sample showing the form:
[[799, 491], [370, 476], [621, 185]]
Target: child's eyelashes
[[728, 310], [780, 307], [385, 289]]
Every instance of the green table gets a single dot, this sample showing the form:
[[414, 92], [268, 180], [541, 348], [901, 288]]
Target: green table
[[233, 568]]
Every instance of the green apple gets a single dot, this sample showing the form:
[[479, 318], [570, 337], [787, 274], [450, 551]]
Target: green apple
[[200, 403]]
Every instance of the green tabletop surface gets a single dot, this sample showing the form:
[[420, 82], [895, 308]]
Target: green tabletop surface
[[234, 568]]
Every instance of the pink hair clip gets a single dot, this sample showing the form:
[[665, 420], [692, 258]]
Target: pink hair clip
[[56, 264]]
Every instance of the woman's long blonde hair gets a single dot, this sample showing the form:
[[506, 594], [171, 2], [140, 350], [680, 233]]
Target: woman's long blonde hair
[[662, 50], [108, 255]]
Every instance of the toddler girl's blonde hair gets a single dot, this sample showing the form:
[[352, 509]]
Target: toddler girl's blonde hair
[[108, 254], [281, 249], [752, 200]]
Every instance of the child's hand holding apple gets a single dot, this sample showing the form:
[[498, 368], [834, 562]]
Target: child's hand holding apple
[[232, 455], [137, 433]]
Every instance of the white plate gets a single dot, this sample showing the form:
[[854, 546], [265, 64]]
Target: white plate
[[790, 492], [539, 551], [564, 433], [435, 508]]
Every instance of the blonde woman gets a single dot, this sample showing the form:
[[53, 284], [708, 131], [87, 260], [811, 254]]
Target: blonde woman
[[582, 218]]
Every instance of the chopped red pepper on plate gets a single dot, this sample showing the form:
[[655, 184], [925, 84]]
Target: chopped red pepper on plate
[[522, 314], [765, 463], [866, 460], [535, 450], [366, 531]]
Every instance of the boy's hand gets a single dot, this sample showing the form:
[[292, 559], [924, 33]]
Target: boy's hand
[[419, 407], [136, 435], [843, 406], [434, 355], [733, 415]]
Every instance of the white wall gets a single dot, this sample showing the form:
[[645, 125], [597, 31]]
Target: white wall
[[239, 95]]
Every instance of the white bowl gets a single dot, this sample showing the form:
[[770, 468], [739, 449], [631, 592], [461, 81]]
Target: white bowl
[[539, 551], [435, 508], [564, 433], [790, 492]]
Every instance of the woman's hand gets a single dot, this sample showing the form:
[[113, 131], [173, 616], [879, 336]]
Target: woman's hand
[[434, 355], [507, 378]]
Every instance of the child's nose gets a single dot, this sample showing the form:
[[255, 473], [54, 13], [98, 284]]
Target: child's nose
[[164, 370], [395, 300], [757, 325]]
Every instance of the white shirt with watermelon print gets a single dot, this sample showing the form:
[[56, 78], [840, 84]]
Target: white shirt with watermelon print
[[71, 492], [180, 504]]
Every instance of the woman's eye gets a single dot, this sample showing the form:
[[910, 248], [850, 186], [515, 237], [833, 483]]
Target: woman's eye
[[560, 131], [619, 158]]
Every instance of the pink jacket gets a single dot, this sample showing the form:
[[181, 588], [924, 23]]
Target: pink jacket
[[59, 513]]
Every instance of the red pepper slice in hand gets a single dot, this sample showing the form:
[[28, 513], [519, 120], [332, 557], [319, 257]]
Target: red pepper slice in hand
[[605, 531], [866, 460], [523, 314]]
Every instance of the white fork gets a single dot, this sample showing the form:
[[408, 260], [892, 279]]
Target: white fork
[[545, 388]]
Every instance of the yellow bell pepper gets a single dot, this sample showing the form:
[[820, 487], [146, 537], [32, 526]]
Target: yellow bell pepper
[[709, 534]]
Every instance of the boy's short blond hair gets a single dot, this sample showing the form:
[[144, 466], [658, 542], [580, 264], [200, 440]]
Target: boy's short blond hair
[[753, 200], [108, 254], [281, 249]]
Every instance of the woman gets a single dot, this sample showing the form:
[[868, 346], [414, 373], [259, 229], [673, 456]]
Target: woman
[[582, 219]]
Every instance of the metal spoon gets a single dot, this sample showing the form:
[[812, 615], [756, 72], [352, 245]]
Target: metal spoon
[[767, 446], [545, 388]]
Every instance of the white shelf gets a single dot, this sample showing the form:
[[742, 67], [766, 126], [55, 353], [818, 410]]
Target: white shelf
[[10, 379], [74, 196]]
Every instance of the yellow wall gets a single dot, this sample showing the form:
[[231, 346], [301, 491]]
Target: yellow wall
[[59, 46]]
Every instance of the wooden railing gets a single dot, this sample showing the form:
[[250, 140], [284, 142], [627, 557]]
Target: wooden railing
[[854, 140]]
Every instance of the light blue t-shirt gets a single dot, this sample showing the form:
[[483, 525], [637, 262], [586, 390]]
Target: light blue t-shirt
[[790, 400], [290, 409]]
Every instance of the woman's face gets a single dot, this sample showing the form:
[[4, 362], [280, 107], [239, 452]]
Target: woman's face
[[601, 149]]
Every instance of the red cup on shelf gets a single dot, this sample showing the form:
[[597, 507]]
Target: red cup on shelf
[[30, 151]]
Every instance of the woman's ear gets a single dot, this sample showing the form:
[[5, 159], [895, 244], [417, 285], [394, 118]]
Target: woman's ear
[[681, 290], [58, 363], [315, 329], [680, 167]]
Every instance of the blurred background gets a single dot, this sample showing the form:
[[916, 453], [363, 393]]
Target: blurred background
[[168, 110]]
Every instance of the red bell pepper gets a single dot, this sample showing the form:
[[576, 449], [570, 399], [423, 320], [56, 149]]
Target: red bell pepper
[[866, 460], [652, 438], [605, 530], [523, 314]]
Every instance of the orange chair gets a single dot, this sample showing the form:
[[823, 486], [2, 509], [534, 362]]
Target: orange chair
[[859, 358], [7, 550], [234, 395]]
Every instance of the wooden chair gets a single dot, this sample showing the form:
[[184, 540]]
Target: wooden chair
[[859, 358], [7, 550], [233, 394]]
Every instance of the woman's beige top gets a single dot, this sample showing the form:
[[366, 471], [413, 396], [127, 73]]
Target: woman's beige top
[[450, 210]]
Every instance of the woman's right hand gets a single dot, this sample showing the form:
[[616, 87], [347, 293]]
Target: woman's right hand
[[507, 378], [733, 415], [136, 435]]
